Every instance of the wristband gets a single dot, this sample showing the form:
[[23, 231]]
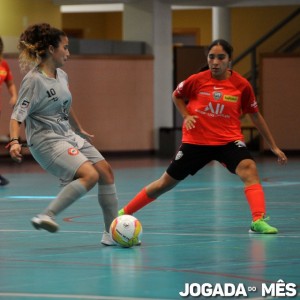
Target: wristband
[[14, 139]]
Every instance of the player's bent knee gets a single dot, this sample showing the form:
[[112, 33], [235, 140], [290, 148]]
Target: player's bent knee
[[88, 174], [106, 175], [93, 176], [247, 171], [246, 165]]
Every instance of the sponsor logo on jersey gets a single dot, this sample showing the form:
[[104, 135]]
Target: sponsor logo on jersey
[[179, 87], [240, 144], [73, 151], [217, 95], [204, 93], [230, 98], [3, 73], [179, 155], [254, 104], [25, 103], [216, 88], [215, 109]]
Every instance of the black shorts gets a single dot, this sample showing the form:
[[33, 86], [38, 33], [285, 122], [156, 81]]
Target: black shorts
[[191, 158]]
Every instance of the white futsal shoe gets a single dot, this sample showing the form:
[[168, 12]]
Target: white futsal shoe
[[107, 240], [44, 222]]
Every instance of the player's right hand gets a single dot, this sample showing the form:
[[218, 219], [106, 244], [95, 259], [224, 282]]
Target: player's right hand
[[15, 152], [189, 122]]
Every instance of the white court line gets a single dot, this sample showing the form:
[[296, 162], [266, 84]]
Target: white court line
[[162, 233], [61, 296], [178, 190], [86, 297]]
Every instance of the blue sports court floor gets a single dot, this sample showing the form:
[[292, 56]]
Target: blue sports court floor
[[196, 234]]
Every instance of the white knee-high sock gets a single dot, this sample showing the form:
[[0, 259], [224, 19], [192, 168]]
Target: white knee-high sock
[[69, 194], [108, 200]]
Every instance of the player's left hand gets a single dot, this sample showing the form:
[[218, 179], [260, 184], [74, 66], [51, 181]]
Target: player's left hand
[[281, 157], [86, 135]]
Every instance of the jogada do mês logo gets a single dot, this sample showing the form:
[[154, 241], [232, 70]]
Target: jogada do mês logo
[[278, 289]]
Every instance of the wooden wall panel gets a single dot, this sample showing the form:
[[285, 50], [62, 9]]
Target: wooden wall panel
[[280, 81], [113, 98]]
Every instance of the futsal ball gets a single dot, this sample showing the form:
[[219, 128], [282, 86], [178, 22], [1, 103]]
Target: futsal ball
[[126, 230]]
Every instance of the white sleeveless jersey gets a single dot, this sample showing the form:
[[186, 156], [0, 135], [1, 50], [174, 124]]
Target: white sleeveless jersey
[[44, 104]]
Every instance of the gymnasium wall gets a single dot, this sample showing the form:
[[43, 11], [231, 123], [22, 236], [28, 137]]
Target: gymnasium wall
[[106, 25], [20, 13], [279, 81], [113, 98], [16, 15], [248, 24], [124, 116]]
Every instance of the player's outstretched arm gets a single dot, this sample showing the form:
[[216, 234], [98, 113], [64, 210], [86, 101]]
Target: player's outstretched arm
[[264, 130], [74, 122], [13, 93]]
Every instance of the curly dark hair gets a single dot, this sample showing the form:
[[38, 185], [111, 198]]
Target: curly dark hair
[[34, 43]]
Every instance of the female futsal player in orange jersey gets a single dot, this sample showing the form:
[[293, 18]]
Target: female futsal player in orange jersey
[[211, 103]]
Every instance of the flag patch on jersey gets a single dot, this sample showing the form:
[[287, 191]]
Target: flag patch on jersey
[[73, 151]]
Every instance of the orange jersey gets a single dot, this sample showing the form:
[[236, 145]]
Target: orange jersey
[[219, 105], [5, 75]]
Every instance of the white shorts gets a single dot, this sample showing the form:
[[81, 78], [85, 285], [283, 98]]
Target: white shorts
[[66, 164]]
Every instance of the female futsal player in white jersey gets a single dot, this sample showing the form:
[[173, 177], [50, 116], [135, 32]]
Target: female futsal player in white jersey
[[45, 104]]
